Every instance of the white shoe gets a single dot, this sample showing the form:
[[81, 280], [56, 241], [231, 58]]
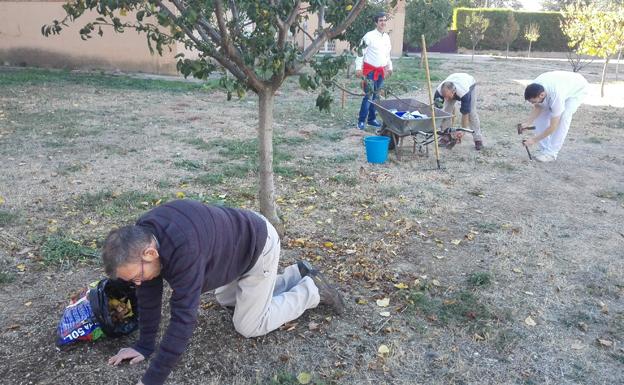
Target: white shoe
[[545, 158]]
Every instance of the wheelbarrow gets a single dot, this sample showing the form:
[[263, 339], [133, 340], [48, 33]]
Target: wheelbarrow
[[396, 125]]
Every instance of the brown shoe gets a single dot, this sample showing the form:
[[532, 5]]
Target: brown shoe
[[478, 145], [328, 293]]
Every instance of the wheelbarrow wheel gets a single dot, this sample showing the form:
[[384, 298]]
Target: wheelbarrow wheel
[[394, 138]]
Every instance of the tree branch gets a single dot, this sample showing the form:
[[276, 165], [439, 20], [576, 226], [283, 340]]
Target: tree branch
[[231, 52], [327, 34]]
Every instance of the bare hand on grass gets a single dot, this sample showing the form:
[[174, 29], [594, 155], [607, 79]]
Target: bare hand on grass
[[126, 354]]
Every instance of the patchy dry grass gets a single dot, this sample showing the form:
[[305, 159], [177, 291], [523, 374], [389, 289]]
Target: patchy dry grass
[[465, 255]]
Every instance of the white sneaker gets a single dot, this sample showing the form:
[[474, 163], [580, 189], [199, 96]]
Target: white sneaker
[[545, 158]]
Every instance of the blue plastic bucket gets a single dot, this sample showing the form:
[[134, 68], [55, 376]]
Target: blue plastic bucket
[[376, 148]]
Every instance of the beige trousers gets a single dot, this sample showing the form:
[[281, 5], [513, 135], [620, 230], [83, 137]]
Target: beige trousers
[[473, 117], [263, 300]]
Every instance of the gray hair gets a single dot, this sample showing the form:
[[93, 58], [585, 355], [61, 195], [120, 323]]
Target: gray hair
[[124, 245], [449, 86]]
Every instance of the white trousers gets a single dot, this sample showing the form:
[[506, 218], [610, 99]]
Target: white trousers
[[551, 145], [263, 300]]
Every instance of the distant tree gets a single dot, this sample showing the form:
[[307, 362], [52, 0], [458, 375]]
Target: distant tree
[[532, 34], [595, 31], [247, 38], [511, 28], [560, 5], [513, 4], [573, 29], [431, 18], [476, 25]]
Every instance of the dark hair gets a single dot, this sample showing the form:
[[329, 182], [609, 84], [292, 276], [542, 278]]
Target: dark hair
[[532, 91], [124, 245], [448, 86], [378, 16]]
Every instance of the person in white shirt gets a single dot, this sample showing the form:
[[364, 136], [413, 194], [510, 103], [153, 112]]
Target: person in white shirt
[[374, 66], [555, 96], [463, 88]]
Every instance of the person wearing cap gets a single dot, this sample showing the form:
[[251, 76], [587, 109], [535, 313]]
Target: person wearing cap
[[462, 88], [197, 248], [555, 97], [374, 66]]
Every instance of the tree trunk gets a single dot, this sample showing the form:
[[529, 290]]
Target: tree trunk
[[268, 208], [530, 42], [473, 49], [604, 75], [507, 53], [617, 65]]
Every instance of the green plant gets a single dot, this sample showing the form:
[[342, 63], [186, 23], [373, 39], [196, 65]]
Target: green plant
[[63, 251], [6, 277], [112, 204], [7, 217], [189, 165], [552, 39], [482, 278]]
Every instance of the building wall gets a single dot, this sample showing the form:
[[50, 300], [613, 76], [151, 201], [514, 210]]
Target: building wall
[[21, 42], [394, 27]]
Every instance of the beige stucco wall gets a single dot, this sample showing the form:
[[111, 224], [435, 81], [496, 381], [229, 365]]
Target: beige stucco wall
[[21, 42]]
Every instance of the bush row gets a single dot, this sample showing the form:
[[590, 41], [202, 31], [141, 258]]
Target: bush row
[[551, 36]]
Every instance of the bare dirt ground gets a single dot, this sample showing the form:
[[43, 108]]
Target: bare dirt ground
[[498, 270]]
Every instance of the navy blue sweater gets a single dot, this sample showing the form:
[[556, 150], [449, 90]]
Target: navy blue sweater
[[201, 248]]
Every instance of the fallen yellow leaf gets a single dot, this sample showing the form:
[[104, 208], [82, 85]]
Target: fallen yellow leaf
[[529, 321], [28, 303], [180, 195], [456, 241], [2, 201], [304, 378], [21, 267], [329, 245], [400, 285], [383, 350], [385, 314], [361, 301]]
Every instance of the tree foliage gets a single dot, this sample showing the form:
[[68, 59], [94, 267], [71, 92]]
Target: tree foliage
[[510, 31], [594, 31], [561, 5], [431, 18], [364, 23], [476, 25], [250, 39], [532, 34]]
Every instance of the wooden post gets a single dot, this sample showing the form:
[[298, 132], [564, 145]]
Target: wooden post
[[433, 124], [343, 96]]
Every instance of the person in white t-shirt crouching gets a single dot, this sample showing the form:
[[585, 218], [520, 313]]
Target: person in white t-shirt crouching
[[555, 97], [463, 88]]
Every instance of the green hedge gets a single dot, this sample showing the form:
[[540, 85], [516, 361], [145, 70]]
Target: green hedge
[[551, 36]]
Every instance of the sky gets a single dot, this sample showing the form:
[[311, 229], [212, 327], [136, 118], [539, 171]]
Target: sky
[[532, 5]]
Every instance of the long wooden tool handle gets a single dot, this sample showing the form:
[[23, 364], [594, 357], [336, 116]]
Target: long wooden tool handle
[[433, 125]]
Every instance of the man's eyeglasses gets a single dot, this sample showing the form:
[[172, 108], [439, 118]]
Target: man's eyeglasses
[[137, 279]]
